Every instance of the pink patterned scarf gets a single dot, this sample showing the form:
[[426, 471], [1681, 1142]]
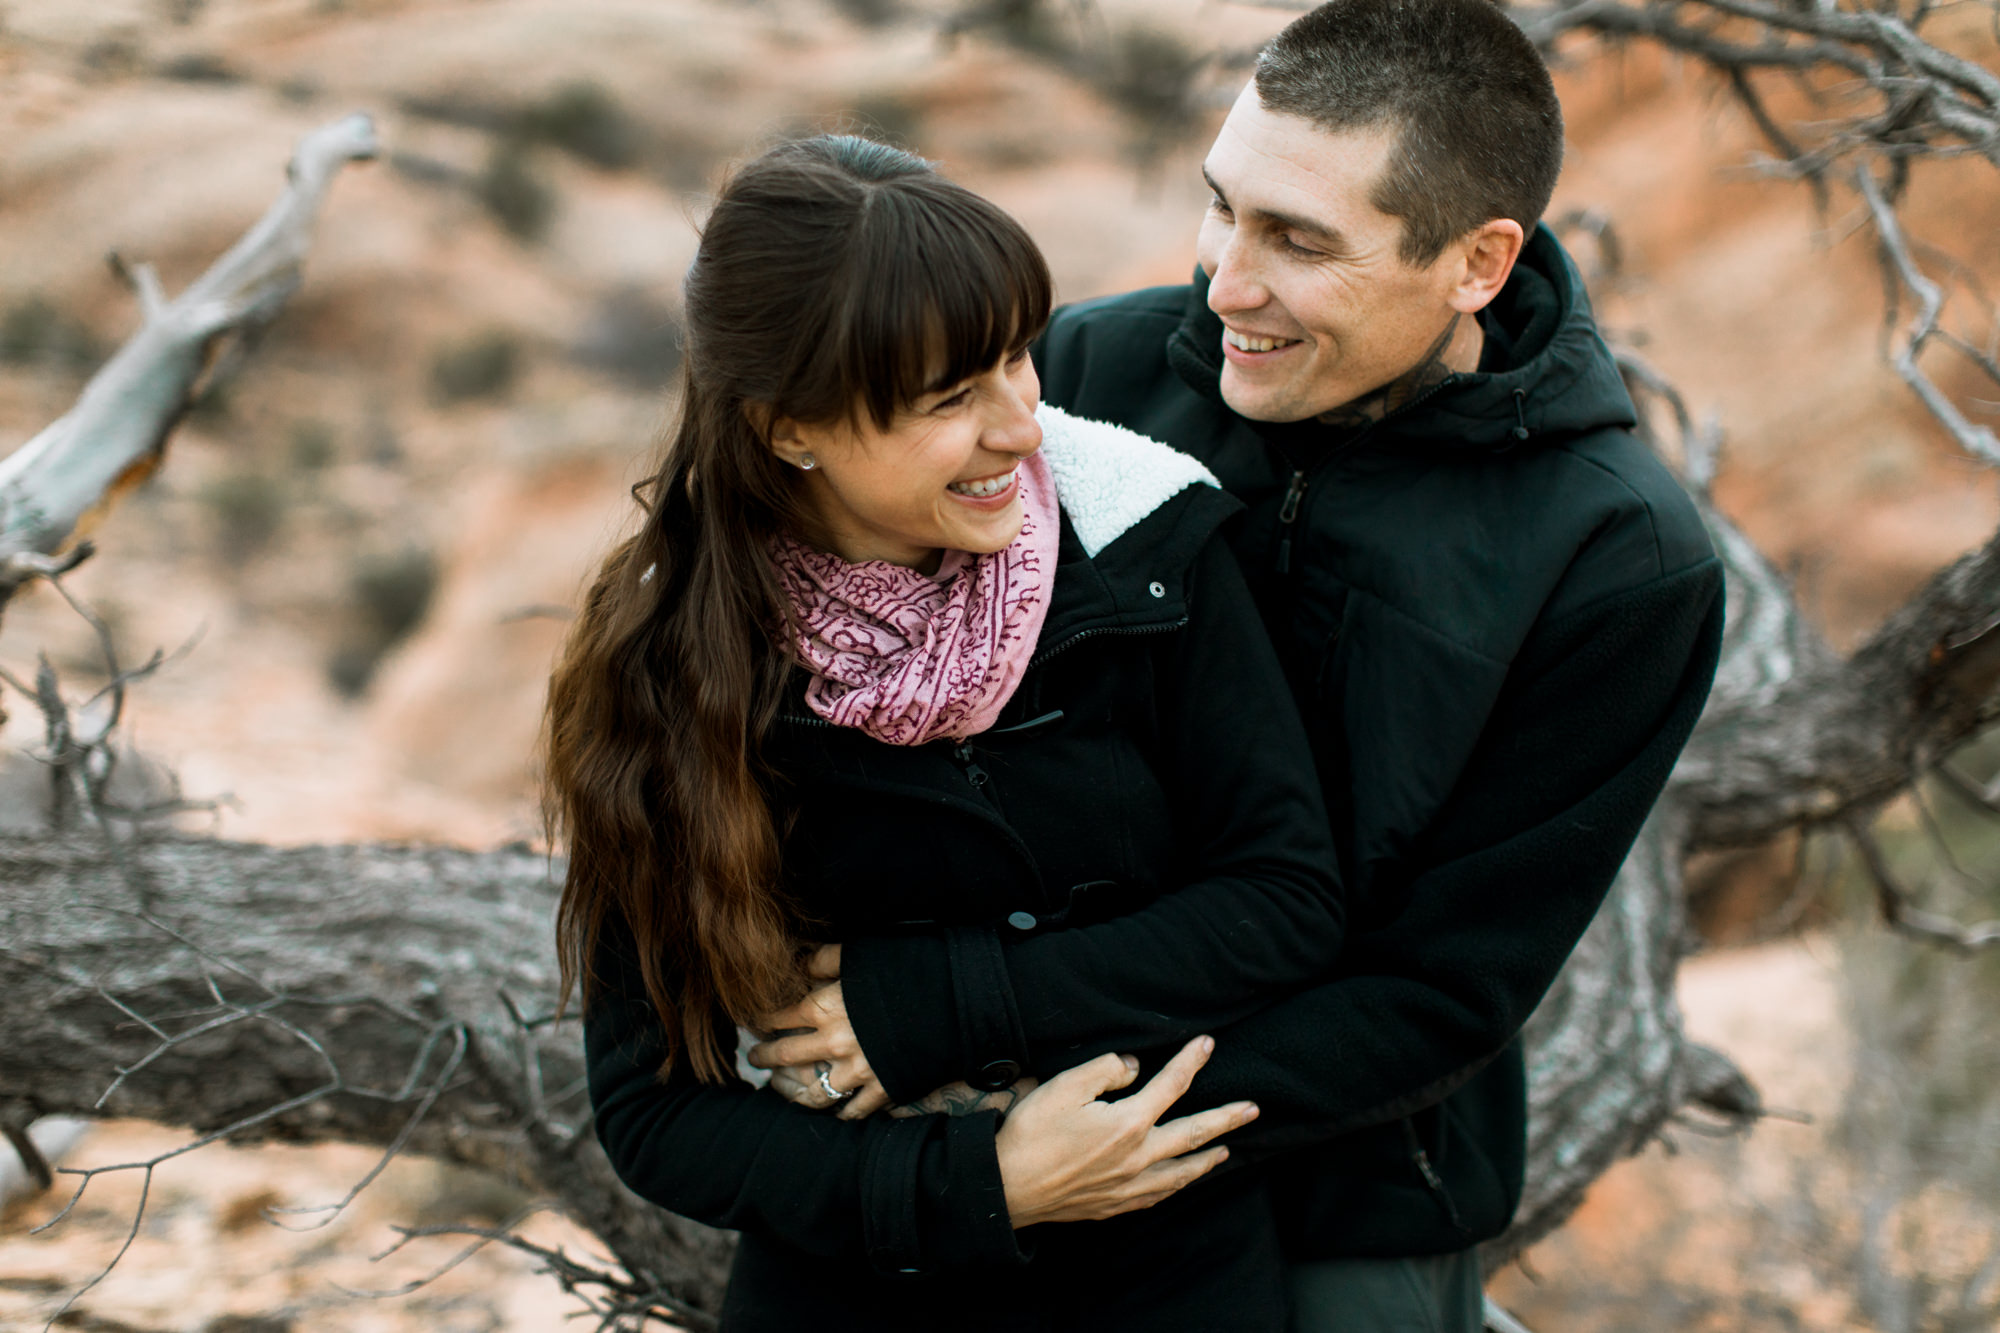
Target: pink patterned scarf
[[909, 657]]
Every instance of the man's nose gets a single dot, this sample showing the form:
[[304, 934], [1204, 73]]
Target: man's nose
[[1235, 285]]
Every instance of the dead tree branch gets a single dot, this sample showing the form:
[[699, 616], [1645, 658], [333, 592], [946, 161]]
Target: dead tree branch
[[56, 483]]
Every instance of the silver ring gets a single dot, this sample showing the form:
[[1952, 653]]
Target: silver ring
[[833, 1094]]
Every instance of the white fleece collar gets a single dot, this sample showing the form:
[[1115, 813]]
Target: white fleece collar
[[1108, 478]]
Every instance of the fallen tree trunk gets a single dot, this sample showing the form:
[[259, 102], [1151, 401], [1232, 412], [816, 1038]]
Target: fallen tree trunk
[[366, 994]]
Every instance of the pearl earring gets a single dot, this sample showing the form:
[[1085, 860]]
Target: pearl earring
[[807, 462]]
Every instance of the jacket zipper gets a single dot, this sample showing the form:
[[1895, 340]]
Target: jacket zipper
[[1164, 627], [1295, 493], [1432, 1181], [804, 720], [973, 772], [1288, 514]]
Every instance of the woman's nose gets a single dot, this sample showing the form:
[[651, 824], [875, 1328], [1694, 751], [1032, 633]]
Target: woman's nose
[[1016, 432], [1013, 429]]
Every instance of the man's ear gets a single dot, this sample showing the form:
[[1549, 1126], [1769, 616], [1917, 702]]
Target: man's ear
[[1485, 258]]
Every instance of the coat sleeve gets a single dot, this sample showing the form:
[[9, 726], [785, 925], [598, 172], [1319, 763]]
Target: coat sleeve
[[1259, 913], [1513, 870], [916, 1195]]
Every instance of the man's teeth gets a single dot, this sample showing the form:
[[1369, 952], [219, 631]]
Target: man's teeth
[[980, 490], [1249, 344]]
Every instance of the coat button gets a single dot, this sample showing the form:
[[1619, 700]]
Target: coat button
[[1157, 588], [996, 1074], [1021, 920]]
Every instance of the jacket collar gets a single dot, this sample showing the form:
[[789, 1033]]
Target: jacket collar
[[1110, 478], [1548, 371]]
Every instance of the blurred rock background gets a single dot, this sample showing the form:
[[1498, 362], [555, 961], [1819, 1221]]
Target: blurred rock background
[[373, 532]]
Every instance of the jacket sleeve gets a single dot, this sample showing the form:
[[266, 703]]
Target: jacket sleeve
[[915, 1195], [1579, 748], [1258, 914]]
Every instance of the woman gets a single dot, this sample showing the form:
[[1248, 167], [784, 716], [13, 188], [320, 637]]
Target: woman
[[891, 653]]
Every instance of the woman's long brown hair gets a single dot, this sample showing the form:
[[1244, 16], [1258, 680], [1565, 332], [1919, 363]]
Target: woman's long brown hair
[[831, 277]]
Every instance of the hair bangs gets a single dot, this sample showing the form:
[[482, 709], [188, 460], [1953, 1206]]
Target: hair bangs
[[953, 287]]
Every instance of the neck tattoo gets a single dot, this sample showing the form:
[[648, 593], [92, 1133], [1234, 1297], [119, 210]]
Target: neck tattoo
[[1398, 393]]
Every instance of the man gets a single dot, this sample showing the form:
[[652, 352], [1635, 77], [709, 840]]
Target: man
[[1499, 613]]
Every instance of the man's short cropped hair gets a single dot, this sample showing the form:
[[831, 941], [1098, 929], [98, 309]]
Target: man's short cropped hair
[[1479, 129]]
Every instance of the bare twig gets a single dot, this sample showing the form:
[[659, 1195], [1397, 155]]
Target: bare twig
[[1987, 797], [1895, 905], [1895, 251], [619, 1302], [1699, 446], [23, 566], [422, 1093], [1609, 263]]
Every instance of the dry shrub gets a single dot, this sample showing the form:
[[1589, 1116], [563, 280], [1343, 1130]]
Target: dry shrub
[[482, 366]]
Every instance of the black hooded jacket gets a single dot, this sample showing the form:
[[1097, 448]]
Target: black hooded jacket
[[1500, 617]]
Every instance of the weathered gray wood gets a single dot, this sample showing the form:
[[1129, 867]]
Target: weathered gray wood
[[119, 426], [351, 984]]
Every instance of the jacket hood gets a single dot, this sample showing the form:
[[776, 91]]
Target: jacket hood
[[1546, 370]]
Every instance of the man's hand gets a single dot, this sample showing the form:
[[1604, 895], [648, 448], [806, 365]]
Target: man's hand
[[1067, 1156], [818, 1040]]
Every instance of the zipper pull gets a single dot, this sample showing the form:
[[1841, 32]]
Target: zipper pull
[[1288, 513], [973, 772]]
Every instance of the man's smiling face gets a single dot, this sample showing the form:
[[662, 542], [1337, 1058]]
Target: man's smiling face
[[1318, 305]]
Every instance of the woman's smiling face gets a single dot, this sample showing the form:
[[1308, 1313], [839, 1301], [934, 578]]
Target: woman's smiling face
[[942, 476]]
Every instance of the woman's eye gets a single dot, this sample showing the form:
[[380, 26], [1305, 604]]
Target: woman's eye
[[1216, 204], [959, 399], [1016, 357]]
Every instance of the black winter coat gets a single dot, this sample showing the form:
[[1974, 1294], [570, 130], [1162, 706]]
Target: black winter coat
[[1500, 616], [1136, 853]]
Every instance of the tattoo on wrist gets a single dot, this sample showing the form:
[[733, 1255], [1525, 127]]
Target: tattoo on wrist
[[960, 1099]]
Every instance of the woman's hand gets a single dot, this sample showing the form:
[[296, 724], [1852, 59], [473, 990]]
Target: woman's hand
[[1067, 1156], [819, 1040]]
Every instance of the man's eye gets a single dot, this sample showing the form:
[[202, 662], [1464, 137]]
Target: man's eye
[[1295, 248]]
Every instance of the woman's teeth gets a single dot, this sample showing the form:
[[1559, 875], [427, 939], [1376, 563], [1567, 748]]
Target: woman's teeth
[[981, 490], [1245, 342]]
